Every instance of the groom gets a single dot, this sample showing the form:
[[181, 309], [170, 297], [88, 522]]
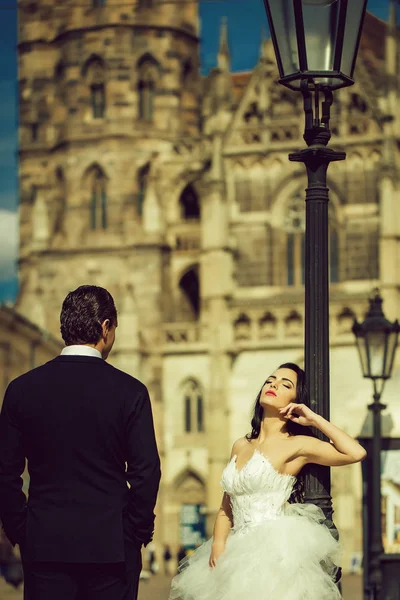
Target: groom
[[86, 430]]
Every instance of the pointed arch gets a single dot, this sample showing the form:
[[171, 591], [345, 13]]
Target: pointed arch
[[94, 72], [93, 66], [96, 183], [242, 327], [293, 323], [189, 204], [186, 473], [148, 77], [267, 325], [189, 491], [189, 286]]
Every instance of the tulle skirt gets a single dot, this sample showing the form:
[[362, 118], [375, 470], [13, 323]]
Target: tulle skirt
[[291, 557]]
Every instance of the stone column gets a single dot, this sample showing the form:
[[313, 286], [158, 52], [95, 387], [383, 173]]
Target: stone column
[[389, 191], [127, 351], [216, 286], [389, 244]]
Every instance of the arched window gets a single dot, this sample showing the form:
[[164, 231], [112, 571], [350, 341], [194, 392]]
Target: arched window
[[189, 203], [60, 201], [98, 100], [295, 243], [295, 227], [142, 179], [98, 3], [193, 407], [242, 327], [98, 199], [59, 81], [188, 95], [94, 71], [147, 80], [189, 302]]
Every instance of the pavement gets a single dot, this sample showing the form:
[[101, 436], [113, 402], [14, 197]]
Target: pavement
[[157, 587]]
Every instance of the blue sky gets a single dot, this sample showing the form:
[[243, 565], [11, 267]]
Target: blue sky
[[246, 22]]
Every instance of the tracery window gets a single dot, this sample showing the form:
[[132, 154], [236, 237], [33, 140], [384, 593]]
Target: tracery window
[[147, 80], [295, 243], [294, 225], [94, 71], [98, 201], [193, 407], [98, 100]]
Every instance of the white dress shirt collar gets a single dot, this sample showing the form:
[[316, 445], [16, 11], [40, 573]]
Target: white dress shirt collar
[[80, 350]]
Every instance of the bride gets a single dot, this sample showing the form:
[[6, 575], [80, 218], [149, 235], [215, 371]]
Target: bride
[[262, 545]]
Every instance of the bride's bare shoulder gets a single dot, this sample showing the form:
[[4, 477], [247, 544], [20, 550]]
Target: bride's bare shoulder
[[239, 445]]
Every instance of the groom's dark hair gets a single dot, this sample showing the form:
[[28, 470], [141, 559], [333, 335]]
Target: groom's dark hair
[[82, 313]]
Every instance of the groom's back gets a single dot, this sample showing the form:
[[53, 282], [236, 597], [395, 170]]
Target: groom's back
[[72, 415]]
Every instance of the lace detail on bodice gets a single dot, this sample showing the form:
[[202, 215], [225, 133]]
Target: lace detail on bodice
[[258, 492]]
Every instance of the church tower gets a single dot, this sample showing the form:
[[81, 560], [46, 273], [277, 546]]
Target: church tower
[[105, 90], [174, 192]]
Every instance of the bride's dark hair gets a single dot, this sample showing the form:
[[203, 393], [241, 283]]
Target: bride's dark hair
[[292, 428]]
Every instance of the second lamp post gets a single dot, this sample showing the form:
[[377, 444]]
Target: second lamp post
[[376, 339]]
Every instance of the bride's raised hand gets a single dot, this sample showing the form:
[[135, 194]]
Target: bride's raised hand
[[299, 413], [217, 549]]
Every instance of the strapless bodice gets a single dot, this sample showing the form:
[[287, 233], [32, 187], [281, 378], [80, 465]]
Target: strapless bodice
[[258, 492]]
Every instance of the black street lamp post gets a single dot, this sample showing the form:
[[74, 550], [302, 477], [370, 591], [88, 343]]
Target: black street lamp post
[[377, 342], [316, 44]]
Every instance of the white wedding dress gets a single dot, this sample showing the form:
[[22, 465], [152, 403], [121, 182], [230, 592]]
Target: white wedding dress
[[275, 551]]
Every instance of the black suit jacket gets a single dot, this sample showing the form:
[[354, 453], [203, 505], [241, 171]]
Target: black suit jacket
[[86, 429]]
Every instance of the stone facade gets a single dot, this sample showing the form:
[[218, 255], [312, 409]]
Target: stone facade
[[174, 191], [23, 346]]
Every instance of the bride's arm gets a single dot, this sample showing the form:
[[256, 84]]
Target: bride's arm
[[222, 527], [343, 449], [224, 520]]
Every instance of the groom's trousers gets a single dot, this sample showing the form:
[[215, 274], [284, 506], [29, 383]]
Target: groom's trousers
[[83, 581]]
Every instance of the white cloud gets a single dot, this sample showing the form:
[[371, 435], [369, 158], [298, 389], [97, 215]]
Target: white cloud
[[8, 243]]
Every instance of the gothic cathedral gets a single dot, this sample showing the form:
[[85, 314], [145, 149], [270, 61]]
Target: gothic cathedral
[[173, 190]]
